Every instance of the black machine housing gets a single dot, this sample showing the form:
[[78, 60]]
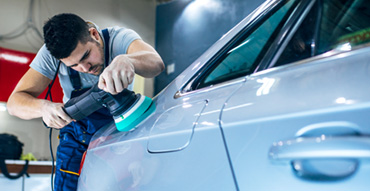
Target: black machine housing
[[95, 98]]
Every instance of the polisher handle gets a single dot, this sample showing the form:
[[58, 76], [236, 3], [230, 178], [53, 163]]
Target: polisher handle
[[95, 98], [85, 104]]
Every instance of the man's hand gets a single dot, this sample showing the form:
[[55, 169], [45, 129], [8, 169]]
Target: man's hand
[[118, 75], [54, 115], [141, 59]]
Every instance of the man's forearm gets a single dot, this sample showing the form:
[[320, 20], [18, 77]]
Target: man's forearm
[[146, 63], [25, 106]]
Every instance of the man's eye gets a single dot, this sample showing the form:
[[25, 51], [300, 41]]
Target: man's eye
[[72, 66], [85, 56]]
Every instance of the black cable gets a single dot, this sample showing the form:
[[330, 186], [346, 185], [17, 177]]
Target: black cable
[[48, 94], [23, 182], [52, 159]]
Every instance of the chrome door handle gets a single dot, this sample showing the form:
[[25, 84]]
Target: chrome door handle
[[322, 158], [343, 147]]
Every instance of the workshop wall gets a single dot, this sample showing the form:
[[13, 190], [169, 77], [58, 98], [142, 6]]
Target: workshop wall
[[187, 28], [13, 65], [31, 133], [21, 24], [19, 15]]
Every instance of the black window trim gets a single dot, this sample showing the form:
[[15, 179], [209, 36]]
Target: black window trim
[[187, 88], [246, 31], [286, 34]]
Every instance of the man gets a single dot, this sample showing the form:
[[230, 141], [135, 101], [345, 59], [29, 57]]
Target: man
[[81, 47]]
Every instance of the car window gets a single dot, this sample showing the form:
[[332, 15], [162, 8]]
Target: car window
[[242, 58], [331, 24]]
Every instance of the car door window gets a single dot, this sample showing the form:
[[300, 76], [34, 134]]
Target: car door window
[[242, 58], [331, 24]]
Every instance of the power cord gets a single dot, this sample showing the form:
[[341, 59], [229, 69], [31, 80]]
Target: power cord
[[52, 159], [48, 94]]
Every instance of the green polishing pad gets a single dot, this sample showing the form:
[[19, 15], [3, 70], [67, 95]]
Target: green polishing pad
[[150, 110], [138, 112]]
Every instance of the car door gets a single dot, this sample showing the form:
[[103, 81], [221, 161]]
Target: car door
[[305, 125]]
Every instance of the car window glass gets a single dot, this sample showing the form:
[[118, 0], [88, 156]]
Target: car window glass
[[241, 59], [331, 24], [350, 25]]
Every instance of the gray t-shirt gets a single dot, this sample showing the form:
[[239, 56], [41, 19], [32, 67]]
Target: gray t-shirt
[[119, 41]]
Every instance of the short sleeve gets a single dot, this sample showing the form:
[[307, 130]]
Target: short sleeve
[[45, 63], [121, 38]]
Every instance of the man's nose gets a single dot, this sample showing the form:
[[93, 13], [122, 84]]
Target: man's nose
[[86, 67]]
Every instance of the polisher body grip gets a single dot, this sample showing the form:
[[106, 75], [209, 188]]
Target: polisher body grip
[[85, 104], [95, 98], [127, 108]]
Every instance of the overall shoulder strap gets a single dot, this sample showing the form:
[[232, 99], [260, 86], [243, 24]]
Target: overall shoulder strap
[[74, 75], [106, 45]]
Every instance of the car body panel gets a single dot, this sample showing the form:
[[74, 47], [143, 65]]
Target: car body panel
[[129, 166], [278, 109], [180, 127], [131, 161]]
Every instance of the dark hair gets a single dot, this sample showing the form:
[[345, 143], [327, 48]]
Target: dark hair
[[63, 32]]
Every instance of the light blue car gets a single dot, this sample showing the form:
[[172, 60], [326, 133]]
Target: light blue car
[[280, 102]]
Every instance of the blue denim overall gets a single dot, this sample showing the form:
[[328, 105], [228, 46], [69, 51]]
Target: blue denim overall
[[75, 137]]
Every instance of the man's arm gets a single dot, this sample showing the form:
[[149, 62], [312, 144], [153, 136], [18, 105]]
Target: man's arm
[[141, 59], [23, 101], [147, 62]]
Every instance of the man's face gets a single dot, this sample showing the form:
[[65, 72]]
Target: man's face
[[87, 58]]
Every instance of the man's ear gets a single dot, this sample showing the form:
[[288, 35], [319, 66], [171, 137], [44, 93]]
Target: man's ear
[[94, 34]]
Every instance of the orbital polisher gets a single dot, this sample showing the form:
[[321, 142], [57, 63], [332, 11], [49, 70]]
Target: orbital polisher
[[127, 108]]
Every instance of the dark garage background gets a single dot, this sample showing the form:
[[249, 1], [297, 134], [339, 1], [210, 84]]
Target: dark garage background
[[185, 29]]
